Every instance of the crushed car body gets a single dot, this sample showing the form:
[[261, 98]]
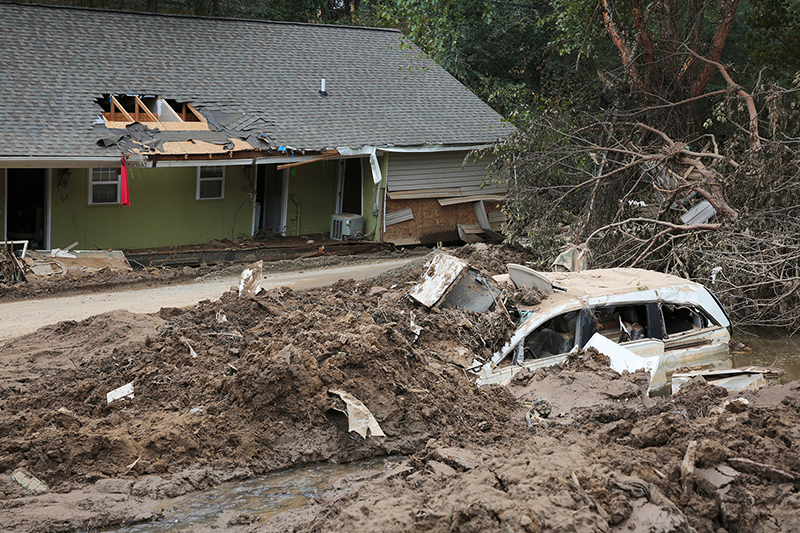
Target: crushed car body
[[639, 318]]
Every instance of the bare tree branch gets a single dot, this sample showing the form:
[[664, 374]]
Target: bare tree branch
[[755, 138]]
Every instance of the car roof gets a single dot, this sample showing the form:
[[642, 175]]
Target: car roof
[[608, 281], [620, 286]]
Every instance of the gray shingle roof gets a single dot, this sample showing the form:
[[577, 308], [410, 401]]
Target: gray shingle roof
[[56, 61]]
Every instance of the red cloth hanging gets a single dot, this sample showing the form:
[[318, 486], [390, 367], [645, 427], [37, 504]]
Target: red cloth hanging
[[125, 197]]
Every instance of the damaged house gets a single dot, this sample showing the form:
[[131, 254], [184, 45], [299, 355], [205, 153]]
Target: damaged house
[[135, 130]]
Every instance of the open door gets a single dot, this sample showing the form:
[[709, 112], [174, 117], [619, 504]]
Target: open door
[[349, 193], [26, 206], [269, 199]]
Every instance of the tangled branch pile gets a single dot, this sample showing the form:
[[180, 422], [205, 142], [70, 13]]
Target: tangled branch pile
[[629, 193]]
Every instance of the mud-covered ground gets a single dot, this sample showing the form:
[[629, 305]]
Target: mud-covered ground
[[89, 280], [251, 395]]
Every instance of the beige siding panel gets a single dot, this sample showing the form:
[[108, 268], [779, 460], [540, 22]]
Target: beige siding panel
[[401, 215], [438, 170]]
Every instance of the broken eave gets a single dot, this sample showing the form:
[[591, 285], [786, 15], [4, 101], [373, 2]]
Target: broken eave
[[58, 161], [258, 157]]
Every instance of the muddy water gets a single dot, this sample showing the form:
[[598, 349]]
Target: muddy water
[[767, 348], [261, 497]]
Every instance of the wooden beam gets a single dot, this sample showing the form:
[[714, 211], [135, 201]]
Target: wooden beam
[[469, 199], [323, 158], [425, 193], [193, 112], [140, 105], [115, 102]]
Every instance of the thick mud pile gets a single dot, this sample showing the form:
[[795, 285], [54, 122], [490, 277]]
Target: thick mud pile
[[698, 462], [235, 387], [241, 383]]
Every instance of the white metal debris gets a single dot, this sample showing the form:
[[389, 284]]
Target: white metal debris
[[624, 359], [29, 482], [443, 270], [699, 213], [126, 391], [250, 282], [359, 418], [732, 379], [523, 276]]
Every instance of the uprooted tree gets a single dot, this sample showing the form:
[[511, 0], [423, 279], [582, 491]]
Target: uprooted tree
[[635, 183]]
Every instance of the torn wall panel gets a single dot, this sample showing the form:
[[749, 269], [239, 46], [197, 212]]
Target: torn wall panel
[[432, 222]]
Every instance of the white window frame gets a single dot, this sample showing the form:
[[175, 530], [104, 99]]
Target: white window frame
[[117, 182], [201, 178]]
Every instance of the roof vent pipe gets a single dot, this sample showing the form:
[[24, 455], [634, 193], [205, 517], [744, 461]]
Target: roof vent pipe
[[322, 86]]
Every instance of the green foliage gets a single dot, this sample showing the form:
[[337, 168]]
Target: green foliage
[[320, 11], [772, 30], [499, 50]]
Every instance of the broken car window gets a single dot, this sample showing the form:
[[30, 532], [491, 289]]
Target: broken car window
[[681, 318]]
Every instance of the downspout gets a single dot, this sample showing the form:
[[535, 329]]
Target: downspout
[[377, 179]]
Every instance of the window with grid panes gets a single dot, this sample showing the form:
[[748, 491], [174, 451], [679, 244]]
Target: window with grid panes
[[210, 183], [104, 186]]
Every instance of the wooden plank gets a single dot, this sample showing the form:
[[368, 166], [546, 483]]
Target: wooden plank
[[195, 113], [467, 236], [140, 105], [497, 218], [424, 193], [198, 257], [473, 228], [396, 217], [115, 103], [466, 199], [315, 160]]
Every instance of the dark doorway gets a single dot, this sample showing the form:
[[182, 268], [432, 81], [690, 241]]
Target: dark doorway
[[269, 198], [25, 206], [350, 187]]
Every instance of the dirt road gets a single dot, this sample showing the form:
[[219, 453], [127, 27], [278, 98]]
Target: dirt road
[[20, 318]]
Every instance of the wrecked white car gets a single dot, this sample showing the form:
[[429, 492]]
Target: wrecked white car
[[639, 318]]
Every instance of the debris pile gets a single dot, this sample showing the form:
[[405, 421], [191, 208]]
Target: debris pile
[[219, 383], [276, 378], [697, 462], [12, 268]]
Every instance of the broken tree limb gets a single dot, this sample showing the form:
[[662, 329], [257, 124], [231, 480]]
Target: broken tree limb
[[660, 133], [682, 102], [677, 227], [755, 138], [714, 193]]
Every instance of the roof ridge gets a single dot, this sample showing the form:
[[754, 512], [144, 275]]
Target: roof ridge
[[193, 17]]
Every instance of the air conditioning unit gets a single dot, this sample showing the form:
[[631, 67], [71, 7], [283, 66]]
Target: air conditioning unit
[[346, 225]]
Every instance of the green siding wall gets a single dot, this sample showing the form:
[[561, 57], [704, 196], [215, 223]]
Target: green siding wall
[[163, 211], [312, 187]]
